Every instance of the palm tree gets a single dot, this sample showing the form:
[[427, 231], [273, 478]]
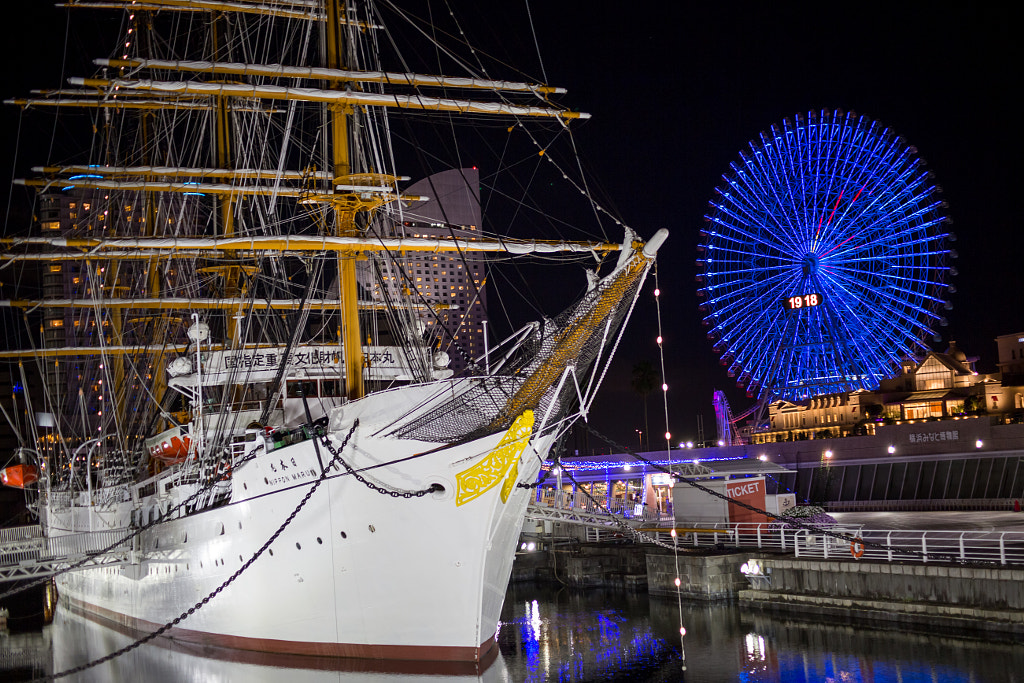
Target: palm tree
[[645, 379]]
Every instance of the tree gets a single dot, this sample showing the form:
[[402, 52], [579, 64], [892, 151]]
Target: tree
[[645, 379]]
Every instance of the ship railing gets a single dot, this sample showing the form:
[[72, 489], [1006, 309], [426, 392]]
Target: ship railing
[[58, 500], [21, 544], [73, 545], [855, 542], [20, 533]]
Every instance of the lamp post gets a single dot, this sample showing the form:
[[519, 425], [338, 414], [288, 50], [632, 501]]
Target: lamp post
[[640, 439]]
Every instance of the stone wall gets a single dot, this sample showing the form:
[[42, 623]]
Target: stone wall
[[702, 577], [943, 597], [585, 565]]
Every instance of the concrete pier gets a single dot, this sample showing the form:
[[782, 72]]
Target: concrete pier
[[985, 600], [952, 598], [702, 577]]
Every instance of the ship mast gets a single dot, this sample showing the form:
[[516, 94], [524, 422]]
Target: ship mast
[[345, 220]]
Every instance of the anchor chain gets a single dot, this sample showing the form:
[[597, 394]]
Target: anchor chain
[[210, 596], [336, 458]]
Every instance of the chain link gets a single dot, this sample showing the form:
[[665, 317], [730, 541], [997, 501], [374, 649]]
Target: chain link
[[160, 519], [788, 521], [202, 603], [366, 482]]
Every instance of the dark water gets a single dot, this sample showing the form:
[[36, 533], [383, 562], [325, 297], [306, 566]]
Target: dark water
[[550, 634], [596, 635]]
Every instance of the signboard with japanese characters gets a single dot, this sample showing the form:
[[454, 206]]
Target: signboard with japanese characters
[[934, 437], [244, 366]]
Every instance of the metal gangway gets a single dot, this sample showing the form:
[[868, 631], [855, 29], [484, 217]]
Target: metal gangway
[[25, 553], [594, 512]]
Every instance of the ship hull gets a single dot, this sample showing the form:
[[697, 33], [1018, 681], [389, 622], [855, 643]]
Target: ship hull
[[356, 573]]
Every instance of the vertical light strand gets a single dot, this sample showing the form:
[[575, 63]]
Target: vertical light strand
[[668, 448]]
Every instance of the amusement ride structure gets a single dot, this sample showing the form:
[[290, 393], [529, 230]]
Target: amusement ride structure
[[825, 258]]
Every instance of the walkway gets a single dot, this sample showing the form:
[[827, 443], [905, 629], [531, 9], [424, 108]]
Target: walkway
[[25, 553]]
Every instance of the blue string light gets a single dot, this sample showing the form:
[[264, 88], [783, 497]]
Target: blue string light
[[824, 258]]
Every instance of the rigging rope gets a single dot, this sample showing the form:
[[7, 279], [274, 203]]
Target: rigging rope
[[202, 603]]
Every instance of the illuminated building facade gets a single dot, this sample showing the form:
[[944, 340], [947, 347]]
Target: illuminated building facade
[[451, 283], [938, 386]]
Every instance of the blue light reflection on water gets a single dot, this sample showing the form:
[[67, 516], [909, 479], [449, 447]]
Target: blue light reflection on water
[[603, 635], [575, 636]]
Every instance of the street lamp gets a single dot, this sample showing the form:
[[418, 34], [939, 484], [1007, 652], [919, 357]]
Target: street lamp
[[640, 438]]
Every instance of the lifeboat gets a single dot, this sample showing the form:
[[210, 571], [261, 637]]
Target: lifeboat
[[19, 476], [170, 447]]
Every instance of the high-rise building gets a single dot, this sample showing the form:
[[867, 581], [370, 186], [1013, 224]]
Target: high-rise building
[[452, 284]]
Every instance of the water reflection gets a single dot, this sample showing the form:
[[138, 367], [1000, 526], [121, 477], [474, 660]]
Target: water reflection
[[73, 640], [551, 634], [569, 636]]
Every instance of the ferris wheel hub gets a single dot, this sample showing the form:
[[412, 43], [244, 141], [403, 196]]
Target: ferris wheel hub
[[810, 265]]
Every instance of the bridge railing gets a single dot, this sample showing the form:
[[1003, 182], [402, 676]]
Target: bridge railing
[[858, 543], [72, 545], [620, 507]]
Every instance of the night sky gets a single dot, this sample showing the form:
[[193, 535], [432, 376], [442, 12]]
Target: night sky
[[677, 89]]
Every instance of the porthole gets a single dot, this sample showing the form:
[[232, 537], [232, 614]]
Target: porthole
[[298, 547], [319, 540], [344, 535], [271, 552]]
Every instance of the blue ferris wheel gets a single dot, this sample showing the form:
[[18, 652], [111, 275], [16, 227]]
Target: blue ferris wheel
[[825, 258]]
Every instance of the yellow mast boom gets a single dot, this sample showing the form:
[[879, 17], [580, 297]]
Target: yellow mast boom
[[325, 74], [335, 97]]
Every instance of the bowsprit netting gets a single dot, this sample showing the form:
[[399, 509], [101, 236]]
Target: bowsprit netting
[[824, 258], [573, 338]]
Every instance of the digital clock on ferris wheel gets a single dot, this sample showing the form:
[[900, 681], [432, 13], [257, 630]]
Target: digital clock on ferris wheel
[[802, 301]]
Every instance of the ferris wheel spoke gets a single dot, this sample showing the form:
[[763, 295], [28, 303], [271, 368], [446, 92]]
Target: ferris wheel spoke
[[919, 291], [862, 345], [750, 295], [740, 231], [792, 163], [832, 212], [758, 211], [908, 235], [892, 307], [775, 178]]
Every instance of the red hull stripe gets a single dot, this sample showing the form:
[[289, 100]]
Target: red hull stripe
[[332, 656]]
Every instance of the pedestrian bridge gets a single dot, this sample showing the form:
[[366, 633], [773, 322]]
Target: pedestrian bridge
[[26, 554], [594, 512]]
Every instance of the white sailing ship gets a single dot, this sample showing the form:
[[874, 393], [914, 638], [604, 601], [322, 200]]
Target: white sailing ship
[[242, 388]]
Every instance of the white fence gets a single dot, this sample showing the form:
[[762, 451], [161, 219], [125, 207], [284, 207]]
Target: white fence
[[856, 542]]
